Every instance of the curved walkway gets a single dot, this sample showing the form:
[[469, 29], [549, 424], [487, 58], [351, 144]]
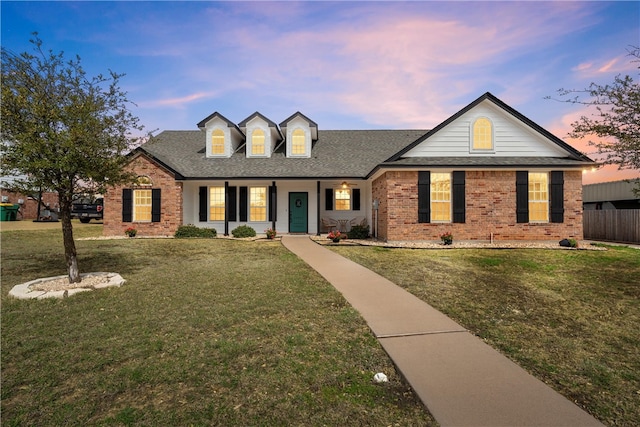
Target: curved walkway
[[459, 378]]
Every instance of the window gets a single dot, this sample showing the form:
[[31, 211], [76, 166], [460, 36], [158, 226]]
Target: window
[[343, 199], [258, 204], [257, 142], [482, 134], [217, 142], [440, 197], [538, 197], [142, 205], [216, 203], [298, 142]]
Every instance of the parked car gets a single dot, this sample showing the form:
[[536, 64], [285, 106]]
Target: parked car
[[87, 208]]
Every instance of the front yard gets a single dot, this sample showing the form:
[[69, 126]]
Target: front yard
[[204, 332], [223, 332], [571, 318]]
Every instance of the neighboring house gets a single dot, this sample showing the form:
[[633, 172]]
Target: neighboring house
[[611, 195], [485, 172]]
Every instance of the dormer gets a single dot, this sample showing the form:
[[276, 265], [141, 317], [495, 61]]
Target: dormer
[[262, 135], [222, 136], [299, 132]]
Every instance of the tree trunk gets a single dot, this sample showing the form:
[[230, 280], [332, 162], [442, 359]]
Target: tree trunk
[[70, 253]]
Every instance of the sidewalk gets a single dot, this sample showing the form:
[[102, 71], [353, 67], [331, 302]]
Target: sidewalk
[[461, 380]]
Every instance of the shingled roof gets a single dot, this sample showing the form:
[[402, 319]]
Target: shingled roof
[[336, 154]]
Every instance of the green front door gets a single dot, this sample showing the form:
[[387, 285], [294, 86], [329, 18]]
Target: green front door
[[298, 212]]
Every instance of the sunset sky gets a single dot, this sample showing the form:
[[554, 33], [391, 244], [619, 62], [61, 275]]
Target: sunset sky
[[345, 65]]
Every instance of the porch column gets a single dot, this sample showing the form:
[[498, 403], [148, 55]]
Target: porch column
[[226, 208], [318, 209], [274, 206]]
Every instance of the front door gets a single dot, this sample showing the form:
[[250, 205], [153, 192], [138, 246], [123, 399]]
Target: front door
[[298, 212]]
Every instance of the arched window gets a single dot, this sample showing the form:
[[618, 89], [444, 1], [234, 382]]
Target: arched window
[[298, 142], [482, 134], [217, 142], [257, 142]]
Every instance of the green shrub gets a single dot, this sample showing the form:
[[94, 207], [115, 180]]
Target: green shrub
[[186, 231], [359, 232], [243, 231]]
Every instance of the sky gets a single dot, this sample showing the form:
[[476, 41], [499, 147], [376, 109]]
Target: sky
[[345, 65]]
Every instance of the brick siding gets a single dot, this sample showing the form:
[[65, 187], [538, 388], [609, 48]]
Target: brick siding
[[171, 202], [490, 199]]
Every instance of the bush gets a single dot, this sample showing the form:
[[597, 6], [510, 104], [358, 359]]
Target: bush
[[243, 231], [186, 231], [359, 232]]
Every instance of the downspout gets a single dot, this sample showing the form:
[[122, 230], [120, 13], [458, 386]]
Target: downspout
[[318, 209], [226, 208]]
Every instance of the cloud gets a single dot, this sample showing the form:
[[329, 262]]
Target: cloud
[[180, 102]]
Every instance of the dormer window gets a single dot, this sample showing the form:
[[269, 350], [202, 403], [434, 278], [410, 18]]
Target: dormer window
[[298, 142], [300, 133], [482, 135], [217, 142], [257, 142]]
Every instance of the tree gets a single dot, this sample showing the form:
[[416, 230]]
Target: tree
[[616, 118], [63, 130]]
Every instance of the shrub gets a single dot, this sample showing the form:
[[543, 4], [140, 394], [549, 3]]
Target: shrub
[[243, 231], [359, 232], [186, 231]]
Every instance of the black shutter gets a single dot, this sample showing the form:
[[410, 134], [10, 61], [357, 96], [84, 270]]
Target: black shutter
[[557, 196], [424, 196], [127, 205], [458, 197], [328, 199], [232, 211], [272, 203], [356, 199], [522, 196], [243, 204], [202, 195], [156, 201]]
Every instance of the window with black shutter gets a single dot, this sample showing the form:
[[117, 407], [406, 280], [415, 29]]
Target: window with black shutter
[[522, 196], [458, 196], [557, 196], [424, 202]]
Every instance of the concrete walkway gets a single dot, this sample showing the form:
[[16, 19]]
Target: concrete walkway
[[460, 379]]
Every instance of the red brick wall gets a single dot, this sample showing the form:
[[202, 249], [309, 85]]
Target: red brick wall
[[29, 209], [171, 202], [490, 198]]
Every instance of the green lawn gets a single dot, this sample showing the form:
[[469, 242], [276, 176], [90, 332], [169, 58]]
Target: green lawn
[[572, 318], [204, 332]]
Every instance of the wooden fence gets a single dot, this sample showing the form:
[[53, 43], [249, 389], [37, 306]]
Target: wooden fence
[[616, 225]]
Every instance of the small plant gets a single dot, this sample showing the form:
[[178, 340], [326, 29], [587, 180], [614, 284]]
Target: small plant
[[336, 236], [447, 238], [271, 233], [243, 231], [131, 232], [190, 230], [569, 243], [359, 232]]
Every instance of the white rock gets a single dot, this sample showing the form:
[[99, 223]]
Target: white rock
[[380, 378]]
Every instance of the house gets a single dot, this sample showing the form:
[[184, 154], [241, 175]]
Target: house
[[611, 195], [485, 172]]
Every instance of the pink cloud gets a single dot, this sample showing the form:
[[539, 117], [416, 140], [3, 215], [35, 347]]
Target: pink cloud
[[180, 102]]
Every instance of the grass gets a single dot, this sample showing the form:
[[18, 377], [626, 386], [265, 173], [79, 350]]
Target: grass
[[571, 318], [204, 332]]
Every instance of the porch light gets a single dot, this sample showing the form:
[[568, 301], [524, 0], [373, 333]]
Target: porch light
[[344, 184]]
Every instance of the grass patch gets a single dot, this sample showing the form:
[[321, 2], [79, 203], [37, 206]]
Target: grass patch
[[571, 318], [204, 332]]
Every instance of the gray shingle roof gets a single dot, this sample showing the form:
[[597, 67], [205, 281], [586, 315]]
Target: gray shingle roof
[[337, 153]]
